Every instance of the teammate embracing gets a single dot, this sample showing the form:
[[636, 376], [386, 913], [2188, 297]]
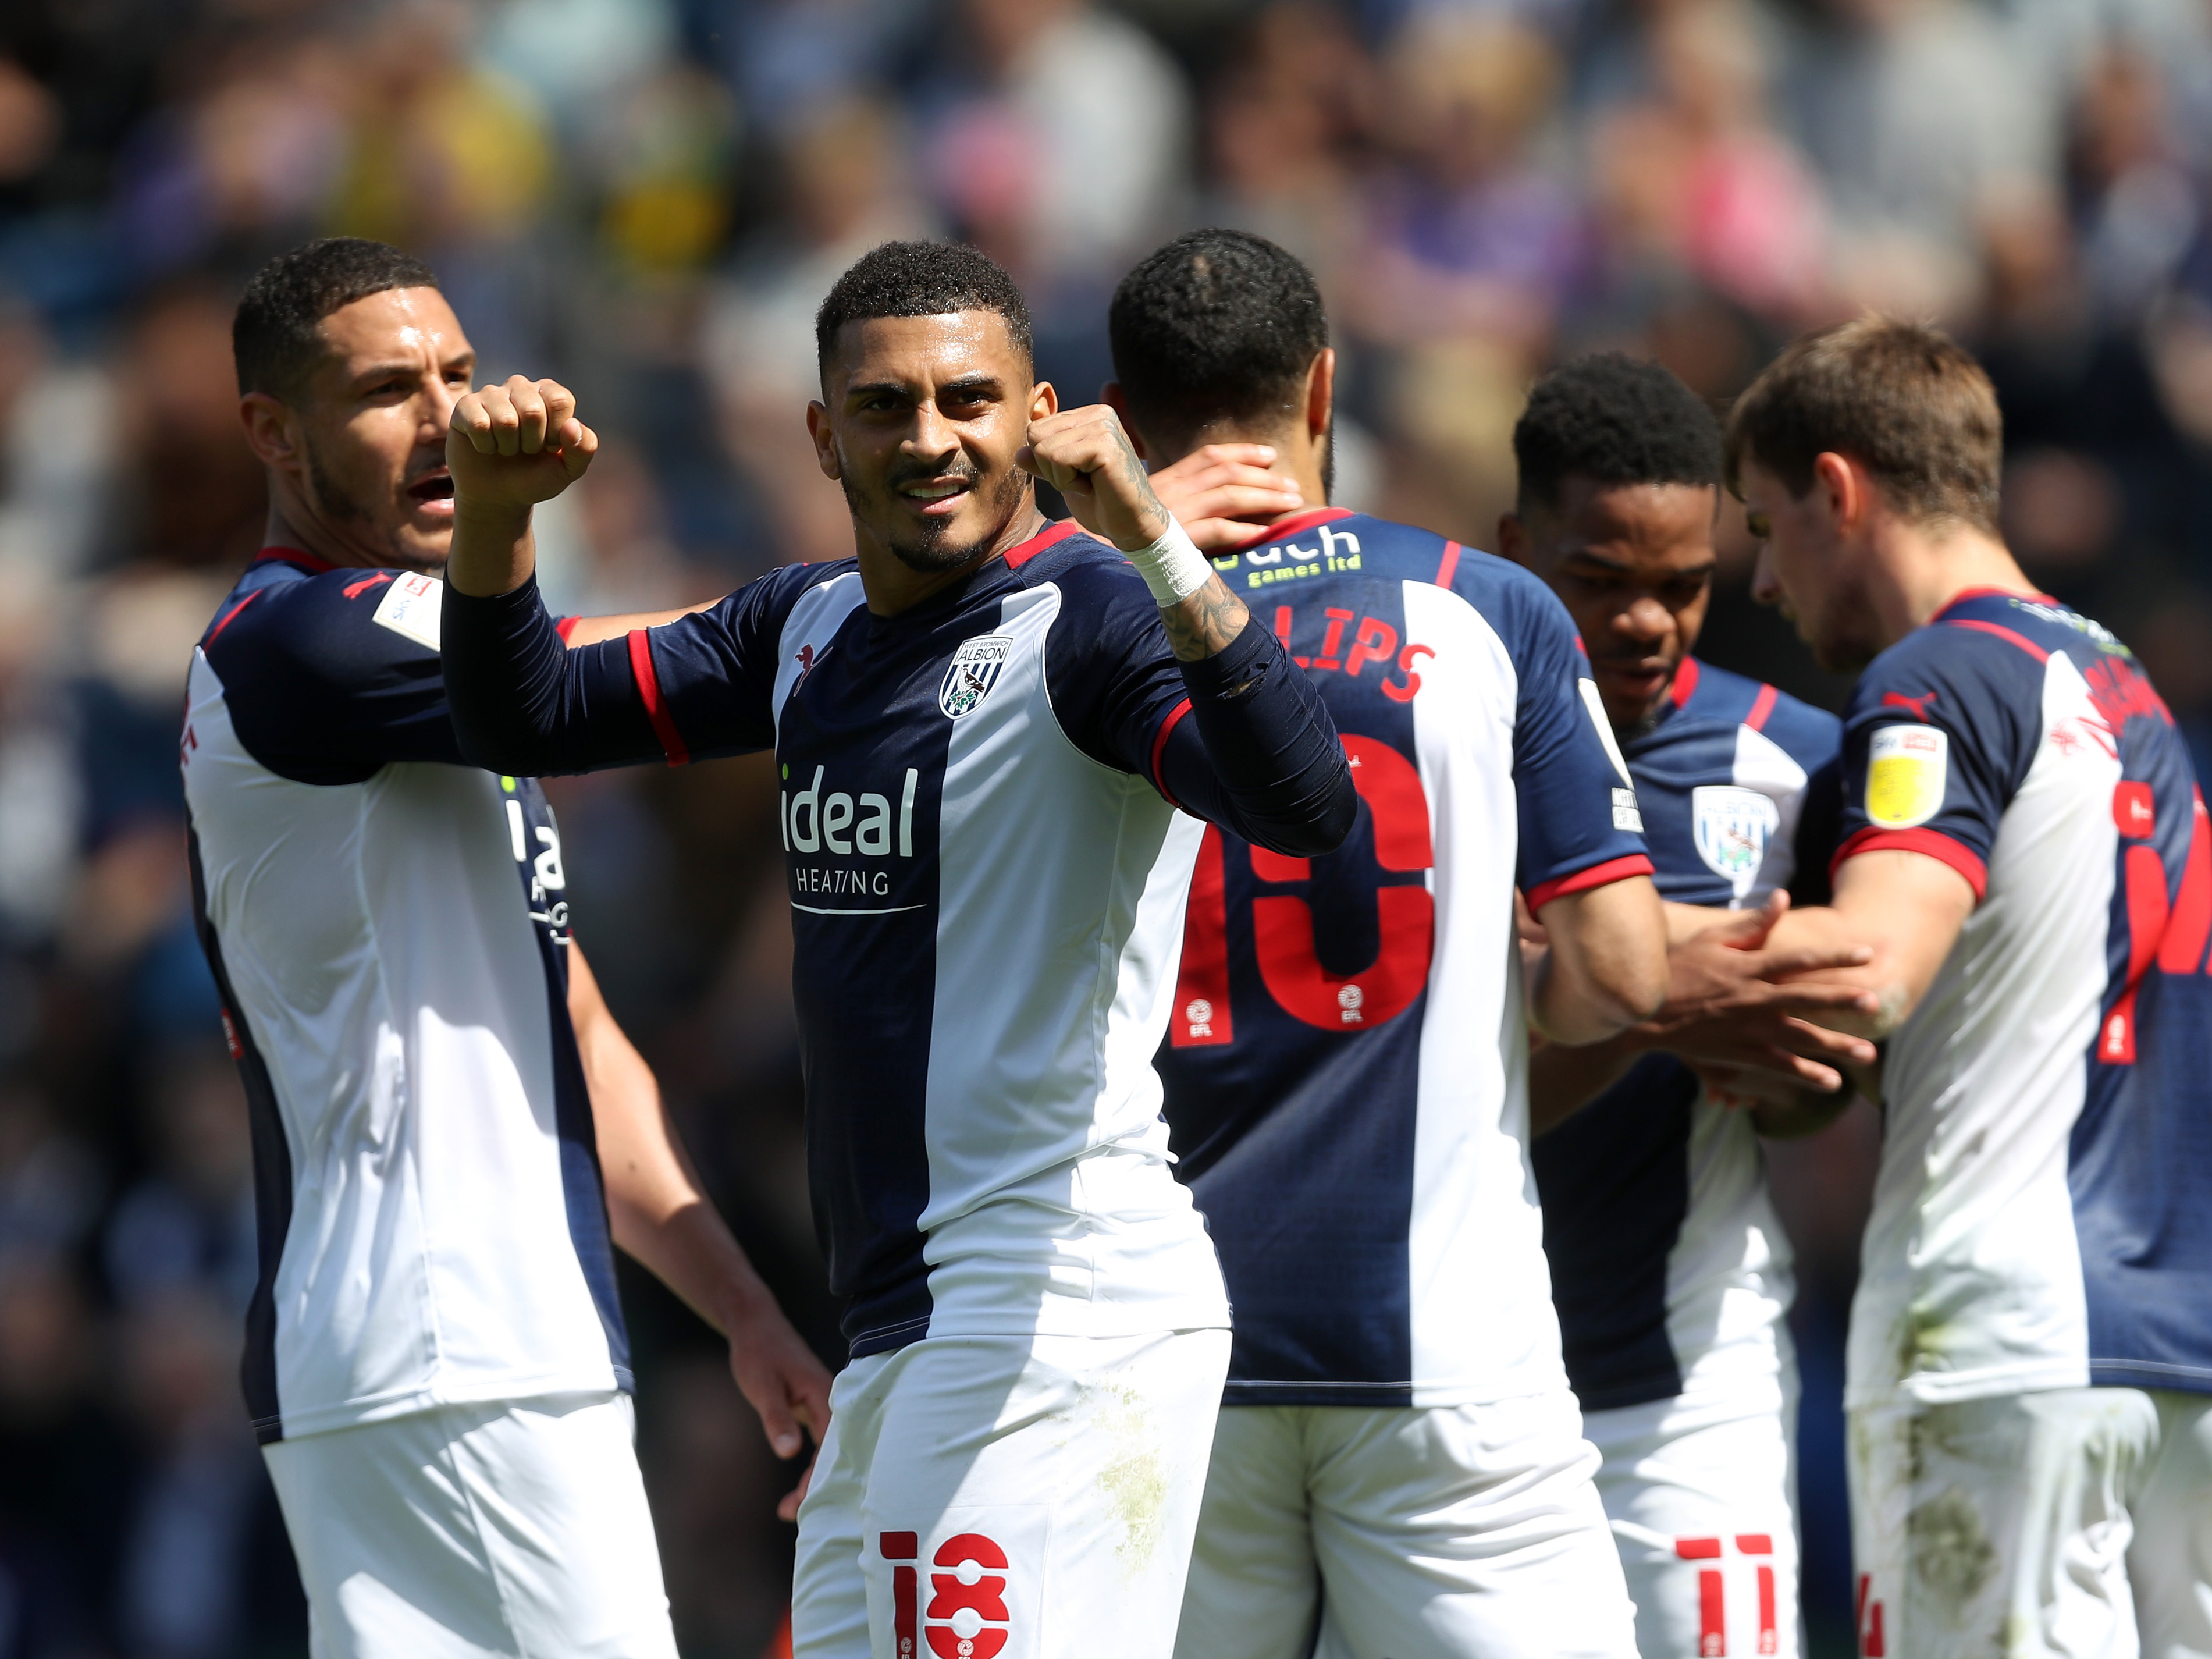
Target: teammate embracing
[[1669, 1267], [984, 723], [2030, 1365]]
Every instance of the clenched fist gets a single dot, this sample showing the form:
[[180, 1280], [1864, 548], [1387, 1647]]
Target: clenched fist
[[516, 444], [1085, 456]]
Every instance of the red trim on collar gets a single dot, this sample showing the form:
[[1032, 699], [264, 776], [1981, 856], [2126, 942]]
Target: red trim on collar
[[1058, 531], [1291, 526], [1964, 594], [2008, 636], [1686, 683], [300, 558], [1761, 707]]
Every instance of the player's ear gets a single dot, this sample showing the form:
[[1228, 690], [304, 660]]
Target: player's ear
[[1845, 487], [1110, 395], [1321, 393], [1045, 400], [825, 441], [269, 431]]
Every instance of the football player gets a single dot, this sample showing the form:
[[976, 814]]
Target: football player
[[1399, 1457], [1669, 1268], [2030, 1362], [449, 1129], [984, 723]]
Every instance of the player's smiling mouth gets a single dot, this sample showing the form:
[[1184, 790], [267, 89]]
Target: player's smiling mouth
[[937, 496]]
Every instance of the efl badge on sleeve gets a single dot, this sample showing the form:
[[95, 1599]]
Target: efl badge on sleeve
[[1732, 826], [412, 606], [1907, 767], [976, 669]]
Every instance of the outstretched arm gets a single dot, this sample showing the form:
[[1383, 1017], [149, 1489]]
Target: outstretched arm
[[660, 1217]]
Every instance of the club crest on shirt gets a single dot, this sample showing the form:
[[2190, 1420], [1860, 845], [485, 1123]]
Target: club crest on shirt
[[1731, 826], [1907, 767], [975, 668]]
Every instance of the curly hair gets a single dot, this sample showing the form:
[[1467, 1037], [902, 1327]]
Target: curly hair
[[921, 279], [1217, 325], [1616, 420]]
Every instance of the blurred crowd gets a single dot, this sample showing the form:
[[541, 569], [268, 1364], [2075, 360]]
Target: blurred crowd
[[647, 199]]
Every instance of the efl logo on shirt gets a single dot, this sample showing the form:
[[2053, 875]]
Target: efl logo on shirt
[[1907, 767], [975, 670], [412, 606]]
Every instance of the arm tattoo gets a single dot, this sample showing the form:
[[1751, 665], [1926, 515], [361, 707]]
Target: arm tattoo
[[1206, 623]]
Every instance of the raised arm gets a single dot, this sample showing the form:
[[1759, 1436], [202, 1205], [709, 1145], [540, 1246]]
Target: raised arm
[[521, 701], [1262, 758]]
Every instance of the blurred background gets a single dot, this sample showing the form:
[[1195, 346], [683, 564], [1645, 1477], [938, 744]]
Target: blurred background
[[648, 198]]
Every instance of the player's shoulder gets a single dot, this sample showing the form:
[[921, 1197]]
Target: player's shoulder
[[1982, 651], [1708, 693], [290, 609], [1089, 572]]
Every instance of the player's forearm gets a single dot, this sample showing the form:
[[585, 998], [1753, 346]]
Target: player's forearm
[[1806, 1114], [656, 1207], [1206, 623], [1267, 762], [493, 551], [1607, 966]]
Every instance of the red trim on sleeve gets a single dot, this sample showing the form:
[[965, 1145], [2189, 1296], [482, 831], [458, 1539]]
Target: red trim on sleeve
[[1598, 875], [298, 557], [1933, 842], [1761, 707], [2003, 633], [1291, 526], [1058, 531], [1449, 566], [656, 706], [1685, 681], [229, 614], [566, 627], [1160, 748]]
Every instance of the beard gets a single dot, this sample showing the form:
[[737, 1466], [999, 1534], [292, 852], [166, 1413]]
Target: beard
[[342, 505], [930, 551]]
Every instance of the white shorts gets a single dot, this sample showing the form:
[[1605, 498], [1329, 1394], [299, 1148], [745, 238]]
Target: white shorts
[[1033, 1494], [1407, 1532], [2068, 1521], [1704, 1511], [514, 1527]]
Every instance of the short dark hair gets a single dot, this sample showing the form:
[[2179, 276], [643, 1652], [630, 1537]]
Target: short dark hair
[[921, 279], [276, 338], [1616, 420], [1903, 399], [1218, 326]]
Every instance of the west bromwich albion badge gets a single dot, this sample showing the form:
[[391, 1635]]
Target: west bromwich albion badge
[[975, 668], [1731, 826], [1907, 767]]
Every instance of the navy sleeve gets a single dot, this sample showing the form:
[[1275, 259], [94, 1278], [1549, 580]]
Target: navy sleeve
[[1820, 829], [1941, 731], [525, 704], [1579, 824], [1241, 738], [320, 690]]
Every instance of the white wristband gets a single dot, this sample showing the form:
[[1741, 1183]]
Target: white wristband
[[1172, 567]]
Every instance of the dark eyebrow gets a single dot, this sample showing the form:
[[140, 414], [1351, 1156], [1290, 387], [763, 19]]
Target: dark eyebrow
[[1618, 567]]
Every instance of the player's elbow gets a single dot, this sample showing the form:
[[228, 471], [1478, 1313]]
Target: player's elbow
[[1318, 824], [1608, 969]]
